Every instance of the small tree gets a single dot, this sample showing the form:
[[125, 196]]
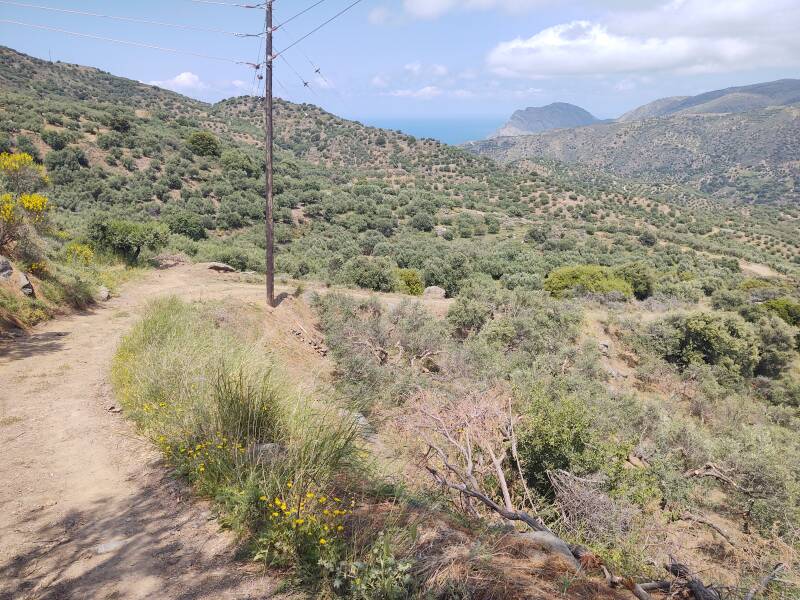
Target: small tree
[[20, 206], [204, 143], [127, 238]]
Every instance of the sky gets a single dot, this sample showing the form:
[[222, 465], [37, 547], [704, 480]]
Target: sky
[[433, 59]]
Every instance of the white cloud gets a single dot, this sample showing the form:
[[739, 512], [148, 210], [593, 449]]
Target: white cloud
[[414, 68], [379, 81], [425, 93], [439, 70], [681, 36], [239, 84], [183, 82]]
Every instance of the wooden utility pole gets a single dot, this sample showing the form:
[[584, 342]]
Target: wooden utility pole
[[268, 208]]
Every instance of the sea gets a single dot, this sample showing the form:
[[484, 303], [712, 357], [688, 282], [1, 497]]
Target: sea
[[455, 130]]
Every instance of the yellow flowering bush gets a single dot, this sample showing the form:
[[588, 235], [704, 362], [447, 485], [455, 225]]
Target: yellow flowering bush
[[20, 204], [79, 253], [305, 526]]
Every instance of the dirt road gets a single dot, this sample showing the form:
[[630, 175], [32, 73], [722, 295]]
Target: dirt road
[[87, 511]]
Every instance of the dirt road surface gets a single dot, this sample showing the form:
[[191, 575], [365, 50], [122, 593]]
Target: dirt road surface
[[87, 510]]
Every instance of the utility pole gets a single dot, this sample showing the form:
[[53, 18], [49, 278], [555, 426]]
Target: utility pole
[[268, 208]]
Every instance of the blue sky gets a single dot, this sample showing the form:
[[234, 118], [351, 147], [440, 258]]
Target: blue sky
[[440, 58]]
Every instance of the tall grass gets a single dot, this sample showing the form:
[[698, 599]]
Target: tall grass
[[200, 382]]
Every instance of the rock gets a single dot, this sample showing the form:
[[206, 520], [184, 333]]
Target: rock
[[605, 347], [266, 454], [434, 291], [552, 544], [103, 294], [440, 230], [114, 409], [168, 261], [5, 268], [109, 546], [221, 267], [25, 285]]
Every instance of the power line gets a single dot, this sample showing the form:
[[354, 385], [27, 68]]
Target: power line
[[127, 42], [129, 19], [316, 29], [301, 13], [306, 84], [232, 4]]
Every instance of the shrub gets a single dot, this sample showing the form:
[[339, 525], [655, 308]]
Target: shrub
[[187, 223], [586, 279], [21, 208], [722, 339], [127, 238], [557, 435], [786, 308], [777, 343], [467, 316], [204, 143], [422, 221], [371, 273], [648, 239], [410, 282], [79, 253], [639, 276], [57, 140]]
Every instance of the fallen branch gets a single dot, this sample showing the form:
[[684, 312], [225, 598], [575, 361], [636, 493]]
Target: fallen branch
[[687, 516], [628, 583], [713, 471], [764, 583], [534, 523]]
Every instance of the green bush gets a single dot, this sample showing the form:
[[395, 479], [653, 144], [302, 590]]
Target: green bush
[[127, 238], [187, 223], [557, 435], [786, 308], [410, 282], [467, 316], [721, 339], [370, 273], [586, 279], [777, 344], [204, 143], [639, 276]]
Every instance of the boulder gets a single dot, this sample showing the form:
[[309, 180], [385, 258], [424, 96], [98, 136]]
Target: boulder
[[221, 267], [552, 544], [434, 291], [266, 454], [5, 268], [103, 293], [25, 285]]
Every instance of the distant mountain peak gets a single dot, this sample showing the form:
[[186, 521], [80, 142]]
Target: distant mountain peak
[[536, 119]]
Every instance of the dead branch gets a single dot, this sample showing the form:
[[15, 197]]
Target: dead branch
[[534, 523], [686, 579], [713, 471], [627, 583], [765, 582], [687, 516]]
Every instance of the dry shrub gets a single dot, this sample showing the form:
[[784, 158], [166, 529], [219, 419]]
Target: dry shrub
[[586, 509]]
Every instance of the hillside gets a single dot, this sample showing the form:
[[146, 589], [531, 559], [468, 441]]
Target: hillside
[[558, 115], [612, 363], [737, 143]]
